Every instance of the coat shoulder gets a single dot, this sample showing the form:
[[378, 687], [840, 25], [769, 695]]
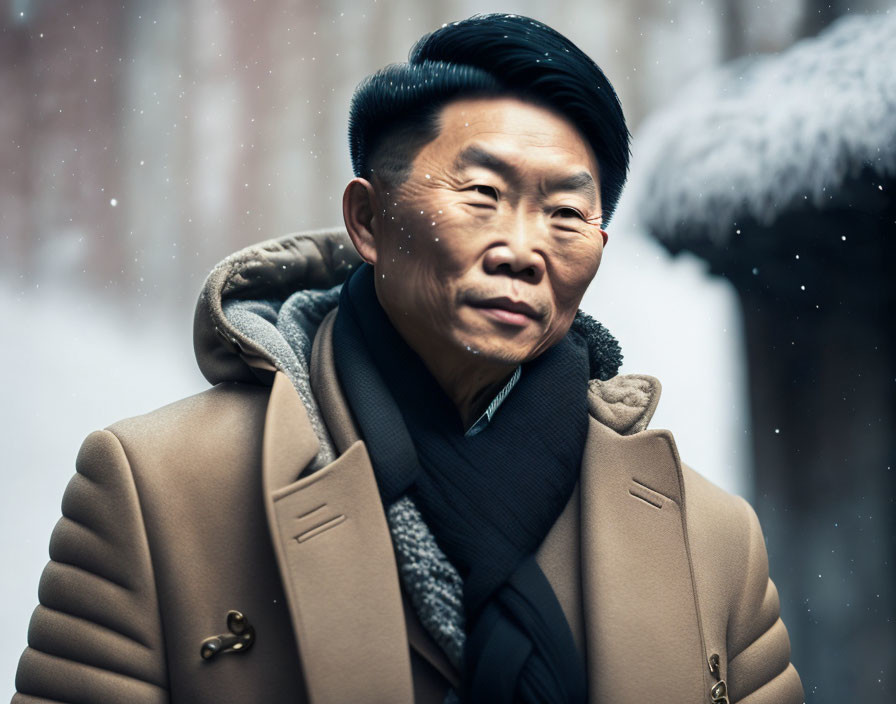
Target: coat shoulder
[[721, 529], [196, 435], [227, 409], [723, 512], [723, 534]]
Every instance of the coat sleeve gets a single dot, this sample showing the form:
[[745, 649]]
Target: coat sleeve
[[759, 667], [96, 635]]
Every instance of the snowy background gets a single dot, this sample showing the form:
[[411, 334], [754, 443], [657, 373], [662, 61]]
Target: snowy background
[[141, 142]]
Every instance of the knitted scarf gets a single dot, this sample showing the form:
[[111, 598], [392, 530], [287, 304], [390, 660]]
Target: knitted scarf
[[489, 499]]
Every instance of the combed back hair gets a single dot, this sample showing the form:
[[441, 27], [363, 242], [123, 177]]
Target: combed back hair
[[395, 111]]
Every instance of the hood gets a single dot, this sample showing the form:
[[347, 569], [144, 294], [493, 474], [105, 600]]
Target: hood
[[260, 309]]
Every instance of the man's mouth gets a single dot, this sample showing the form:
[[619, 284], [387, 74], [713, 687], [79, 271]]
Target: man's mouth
[[506, 310]]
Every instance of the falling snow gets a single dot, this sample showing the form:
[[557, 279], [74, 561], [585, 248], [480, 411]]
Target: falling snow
[[239, 136]]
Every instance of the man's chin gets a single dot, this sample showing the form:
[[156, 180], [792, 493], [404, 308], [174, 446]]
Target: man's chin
[[497, 351]]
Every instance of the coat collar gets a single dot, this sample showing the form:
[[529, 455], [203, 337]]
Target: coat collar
[[617, 558]]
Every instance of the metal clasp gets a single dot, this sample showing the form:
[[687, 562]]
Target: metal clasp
[[718, 693], [240, 638]]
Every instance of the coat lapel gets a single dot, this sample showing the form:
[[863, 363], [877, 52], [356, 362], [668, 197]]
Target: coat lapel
[[559, 559], [642, 626], [338, 419], [336, 562]]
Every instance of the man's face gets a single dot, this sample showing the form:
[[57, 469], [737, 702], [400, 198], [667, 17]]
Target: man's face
[[488, 247]]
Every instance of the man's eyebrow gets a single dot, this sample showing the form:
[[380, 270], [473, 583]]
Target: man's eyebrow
[[581, 182], [475, 155]]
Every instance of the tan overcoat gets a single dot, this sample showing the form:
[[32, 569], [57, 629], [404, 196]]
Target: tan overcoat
[[214, 503]]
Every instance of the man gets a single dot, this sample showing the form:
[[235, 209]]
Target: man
[[418, 476]]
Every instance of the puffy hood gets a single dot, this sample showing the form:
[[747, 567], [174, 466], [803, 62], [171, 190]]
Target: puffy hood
[[260, 309]]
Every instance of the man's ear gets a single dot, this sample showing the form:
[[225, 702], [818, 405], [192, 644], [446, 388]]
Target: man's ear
[[359, 203]]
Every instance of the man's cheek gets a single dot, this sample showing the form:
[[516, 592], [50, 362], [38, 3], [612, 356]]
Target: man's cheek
[[415, 290], [570, 285]]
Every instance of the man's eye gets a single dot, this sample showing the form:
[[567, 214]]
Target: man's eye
[[486, 191], [569, 213]]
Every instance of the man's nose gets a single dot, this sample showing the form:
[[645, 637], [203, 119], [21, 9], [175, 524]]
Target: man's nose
[[517, 250]]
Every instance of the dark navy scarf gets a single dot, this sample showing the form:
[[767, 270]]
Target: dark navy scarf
[[489, 499]]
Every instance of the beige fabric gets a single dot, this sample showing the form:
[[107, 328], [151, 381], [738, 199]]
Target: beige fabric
[[332, 544], [180, 515]]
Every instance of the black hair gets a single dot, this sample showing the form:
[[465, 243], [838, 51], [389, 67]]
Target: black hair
[[394, 112]]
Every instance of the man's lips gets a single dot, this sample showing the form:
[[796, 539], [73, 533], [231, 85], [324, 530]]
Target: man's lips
[[507, 310]]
